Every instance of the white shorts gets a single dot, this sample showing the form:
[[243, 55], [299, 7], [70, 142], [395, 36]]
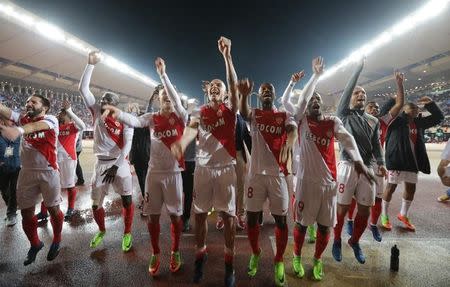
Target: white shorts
[[315, 202], [164, 188], [350, 185], [67, 170], [215, 187], [397, 177], [31, 184], [122, 182], [260, 187]]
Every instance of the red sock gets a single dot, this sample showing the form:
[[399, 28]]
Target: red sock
[[338, 227], [71, 196], [281, 238], [359, 227], [253, 237], [175, 232], [375, 211], [229, 258], [299, 238], [57, 224], [99, 216], [321, 243], [30, 228], [43, 209], [154, 230], [200, 253], [351, 209], [127, 214]]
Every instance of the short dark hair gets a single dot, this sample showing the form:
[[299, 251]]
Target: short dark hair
[[44, 100]]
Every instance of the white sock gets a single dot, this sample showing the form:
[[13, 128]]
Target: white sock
[[405, 207], [384, 207]]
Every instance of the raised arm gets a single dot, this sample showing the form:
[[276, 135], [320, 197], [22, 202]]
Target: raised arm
[[245, 88], [436, 114], [88, 97], [310, 87], [232, 79], [78, 122], [170, 89], [129, 119], [344, 103], [400, 99], [285, 99]]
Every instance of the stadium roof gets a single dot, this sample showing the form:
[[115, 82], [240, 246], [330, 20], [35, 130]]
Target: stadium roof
[[26, 53]]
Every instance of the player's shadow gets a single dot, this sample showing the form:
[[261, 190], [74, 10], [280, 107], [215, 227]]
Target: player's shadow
[[57, 272], [99, 255]]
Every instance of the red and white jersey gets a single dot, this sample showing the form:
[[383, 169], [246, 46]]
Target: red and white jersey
[[317, 149], [38, 149], [384, 124], [67, 140], [164, 131], [216, 135], [268, 130], [109, 134]]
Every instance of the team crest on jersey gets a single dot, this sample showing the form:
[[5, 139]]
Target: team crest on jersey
[[219, 113], [279, 120], [171, 121], [117, 124], [301, 205]]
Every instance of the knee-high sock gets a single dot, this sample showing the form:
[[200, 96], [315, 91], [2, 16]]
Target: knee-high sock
[[228, 256], [281, 238], [359, 227], [406, 204], [375, 211], [351, 210], [43, 208], [99, 216], [299, 238], [175, 232], [57, 224], [71, 196], [30, 228], [384, 207], [253, 238], [338, 227], [321, 243], [154, 230], [128, 217]]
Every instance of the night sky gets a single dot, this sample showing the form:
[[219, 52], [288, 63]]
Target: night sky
[[270, 39]]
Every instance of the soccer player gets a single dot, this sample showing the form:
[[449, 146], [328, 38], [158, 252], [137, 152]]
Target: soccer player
[[214, 176], [70, 127], [315, 199], [406, 155], [39, 175], [365, 129], [163, 182], [388, 112], [112, 143], [444, 171], [269, 129]]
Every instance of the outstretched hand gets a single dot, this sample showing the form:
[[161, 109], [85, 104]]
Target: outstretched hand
[[318, 65], [109, 110], [245, 87], [66, 105], [160, 66], [94, 57], [399, 77], [297, 76], [424, 100], [110, 174]]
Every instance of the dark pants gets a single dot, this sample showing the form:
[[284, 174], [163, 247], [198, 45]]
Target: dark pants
[[188, 186], [141, 173], [8, 185], [79, 171]]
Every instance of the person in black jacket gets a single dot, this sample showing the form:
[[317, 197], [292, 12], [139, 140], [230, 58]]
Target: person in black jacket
[[406, 155]]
